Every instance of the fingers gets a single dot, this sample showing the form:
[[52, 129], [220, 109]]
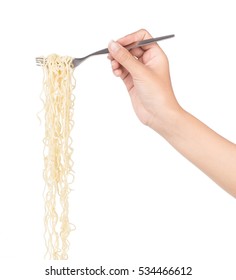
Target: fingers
[[116, 68], [137, 52], [139, 35], [124, 58], [131, 61]]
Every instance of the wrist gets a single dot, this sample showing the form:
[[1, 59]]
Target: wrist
[[167, 123]]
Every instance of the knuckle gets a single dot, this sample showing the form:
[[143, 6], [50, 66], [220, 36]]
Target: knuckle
[[145, 34], [143, 30], [124, 55]]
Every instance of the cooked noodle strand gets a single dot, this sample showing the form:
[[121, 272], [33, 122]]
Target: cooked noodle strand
[[58, 85]]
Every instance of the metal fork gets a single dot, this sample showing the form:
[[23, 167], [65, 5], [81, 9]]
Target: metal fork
[[78, 61]]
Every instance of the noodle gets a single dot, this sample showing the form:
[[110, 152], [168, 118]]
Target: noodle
[[58, 85]]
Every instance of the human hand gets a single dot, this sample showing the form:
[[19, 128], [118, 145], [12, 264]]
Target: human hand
[[145, 73]]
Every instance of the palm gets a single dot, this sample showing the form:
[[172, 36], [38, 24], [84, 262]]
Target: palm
[[141, 98]]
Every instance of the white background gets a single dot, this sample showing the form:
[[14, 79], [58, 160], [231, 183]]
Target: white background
[[136, 201]]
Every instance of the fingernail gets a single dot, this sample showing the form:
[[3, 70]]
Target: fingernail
[[114, 46]]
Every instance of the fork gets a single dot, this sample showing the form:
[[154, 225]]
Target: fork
[[78, 61]]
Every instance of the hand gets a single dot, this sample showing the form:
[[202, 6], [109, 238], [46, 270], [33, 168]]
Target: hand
[[145, 73]]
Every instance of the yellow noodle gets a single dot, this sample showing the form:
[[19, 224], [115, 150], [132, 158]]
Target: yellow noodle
[[58, 85]]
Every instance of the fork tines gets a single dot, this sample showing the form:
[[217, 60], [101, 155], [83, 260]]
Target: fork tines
[[39, 61]]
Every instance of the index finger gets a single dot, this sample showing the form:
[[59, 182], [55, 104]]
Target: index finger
[[137, 36]]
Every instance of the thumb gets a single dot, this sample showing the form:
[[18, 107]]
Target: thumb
[[125, 58]]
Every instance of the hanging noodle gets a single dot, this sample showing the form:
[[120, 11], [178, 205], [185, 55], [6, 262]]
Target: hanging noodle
[[58, 85]]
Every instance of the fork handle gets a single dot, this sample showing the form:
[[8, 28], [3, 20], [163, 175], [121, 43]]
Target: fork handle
[[136, 44], [149, 41], [103, 51]]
